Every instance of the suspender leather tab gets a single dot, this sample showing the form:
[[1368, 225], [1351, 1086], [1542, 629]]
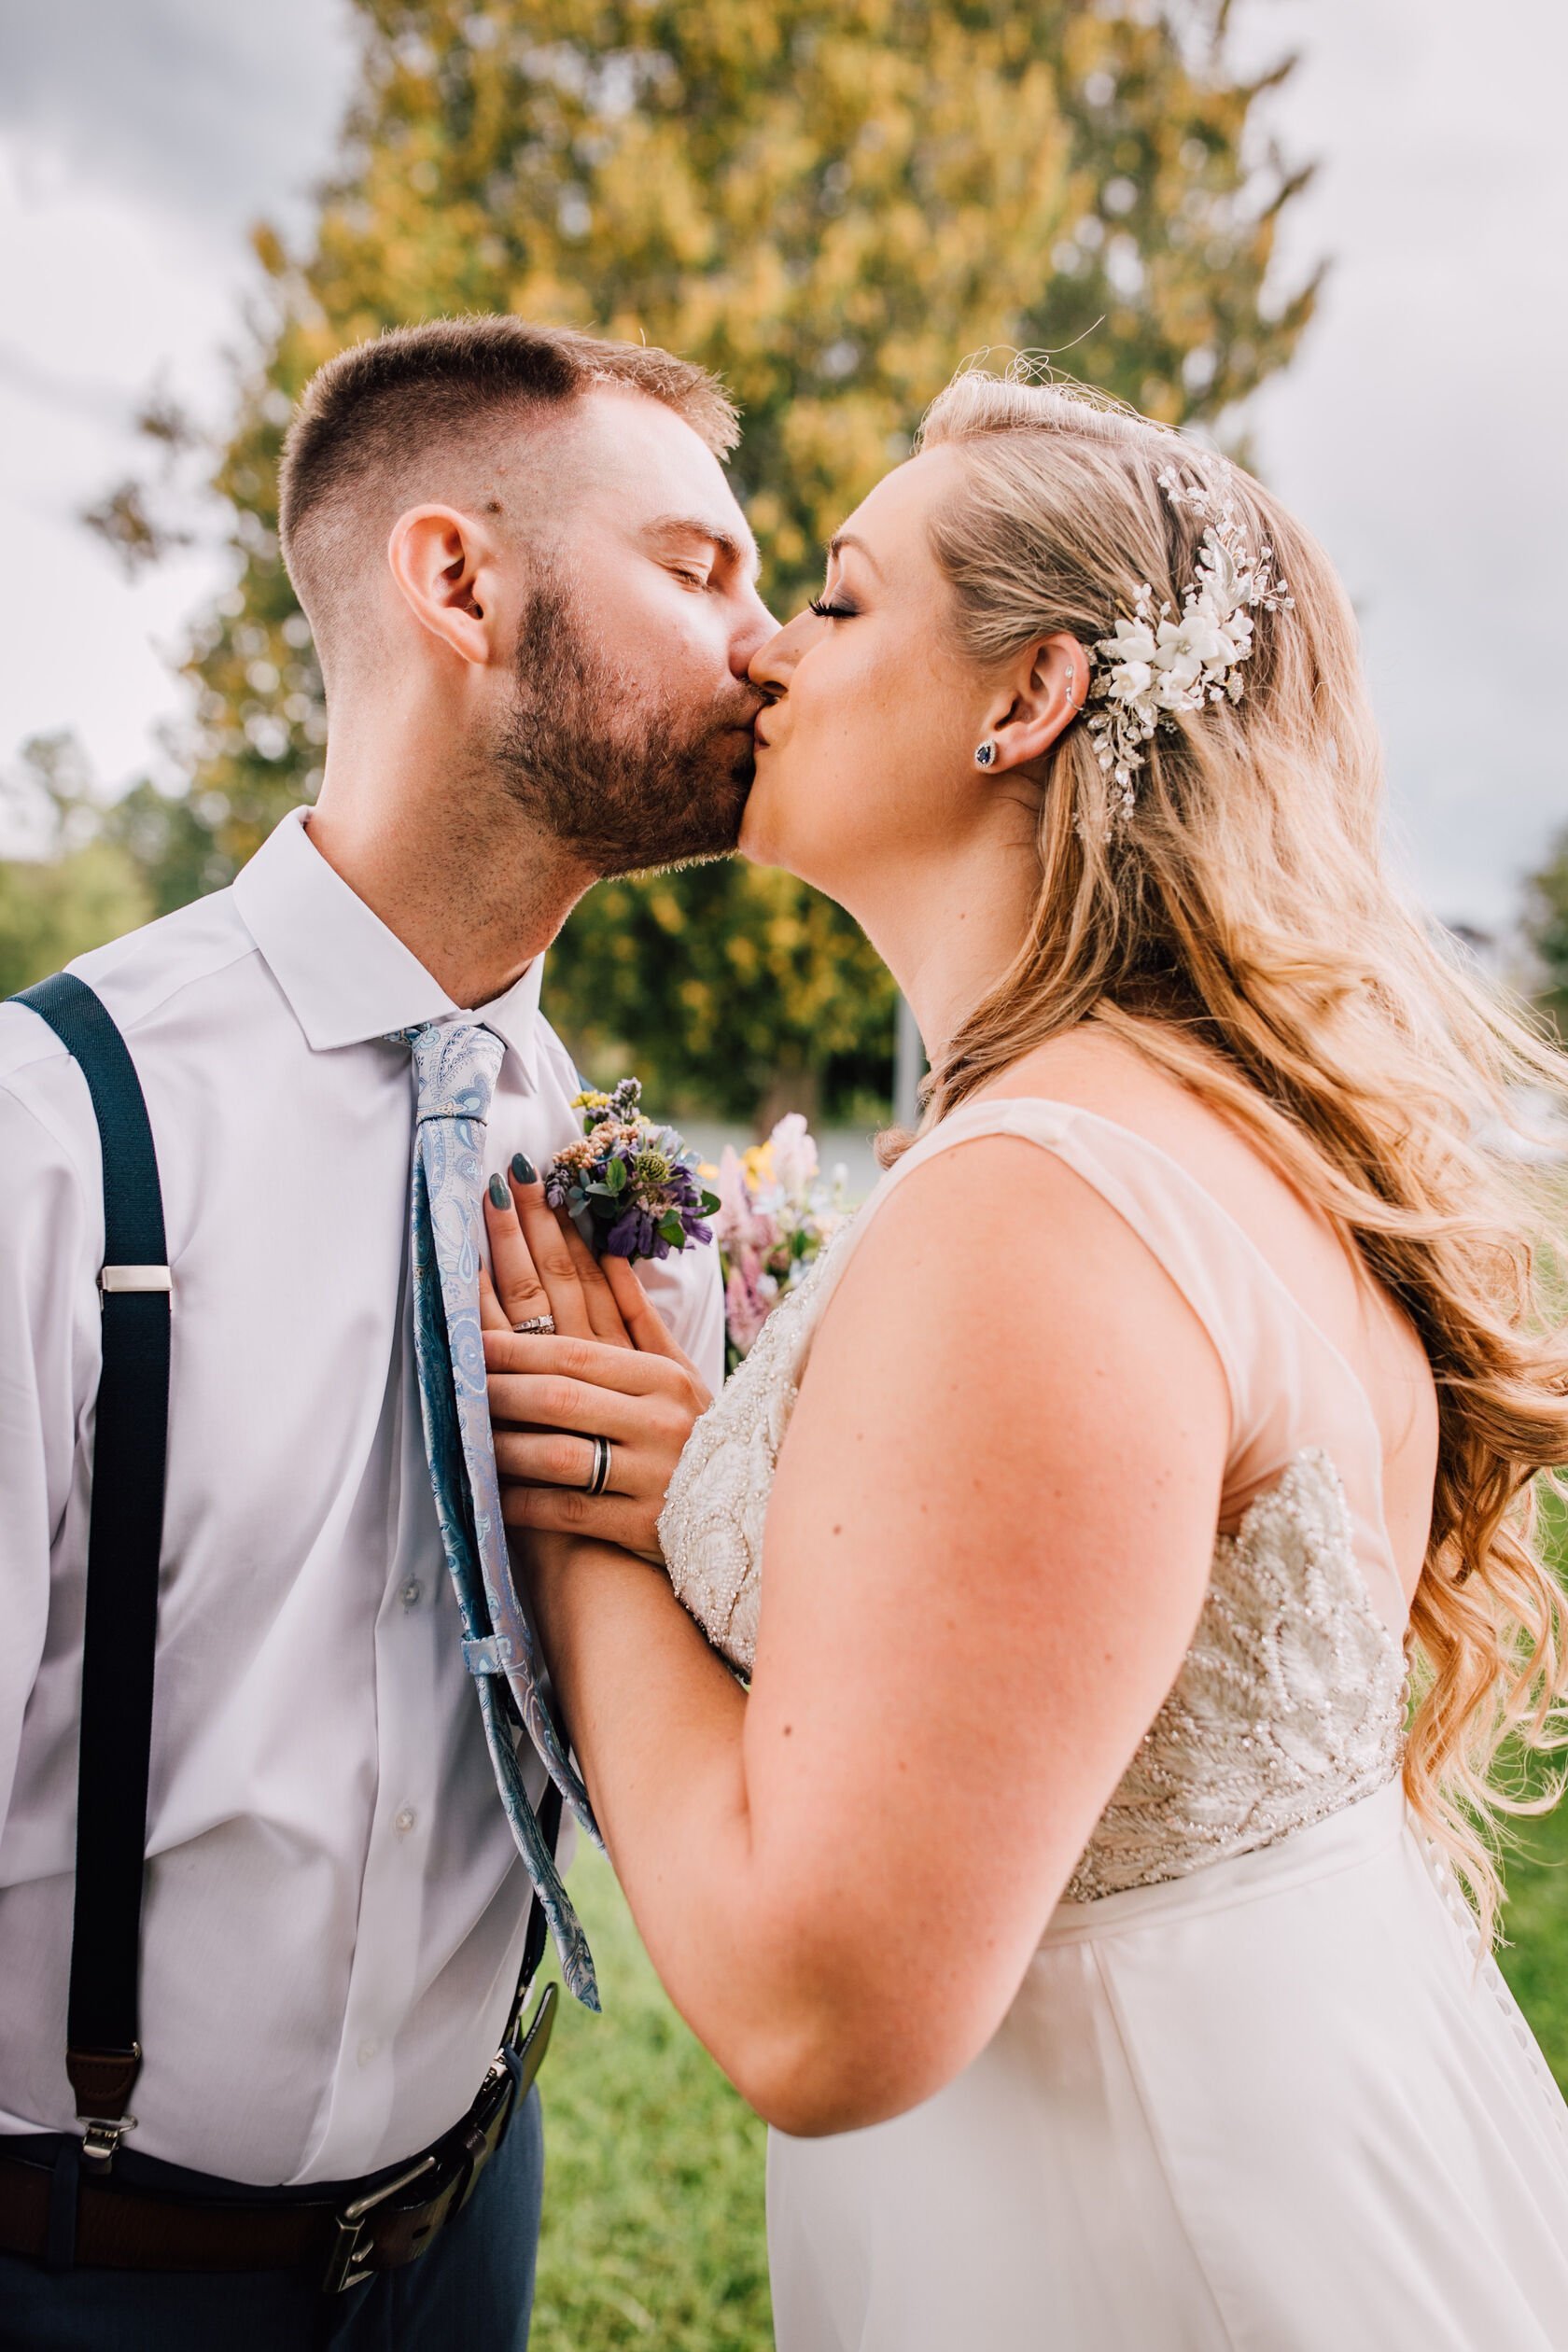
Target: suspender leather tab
[[125, 1541]]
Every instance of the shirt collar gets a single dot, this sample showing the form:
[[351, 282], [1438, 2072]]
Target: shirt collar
[[347, 977]]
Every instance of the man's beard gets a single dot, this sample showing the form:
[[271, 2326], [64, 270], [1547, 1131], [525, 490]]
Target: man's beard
[[623, 783]]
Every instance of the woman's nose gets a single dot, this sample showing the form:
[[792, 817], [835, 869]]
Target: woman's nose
[[772, 664], [752, 634]]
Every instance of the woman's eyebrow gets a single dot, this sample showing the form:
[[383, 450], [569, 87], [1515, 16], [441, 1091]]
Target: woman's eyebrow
[[841, 540], [741, 552]]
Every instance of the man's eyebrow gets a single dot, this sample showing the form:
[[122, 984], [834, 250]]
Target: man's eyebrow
[[740, 551], [841, 540]]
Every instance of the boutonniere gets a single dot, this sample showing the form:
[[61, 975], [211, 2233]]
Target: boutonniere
[[632, 1187]]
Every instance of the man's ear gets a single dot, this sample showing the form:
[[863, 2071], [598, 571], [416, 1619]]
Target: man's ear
[[445, 565], [1039, 700]]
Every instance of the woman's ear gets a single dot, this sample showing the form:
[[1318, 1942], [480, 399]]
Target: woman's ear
[[1042, 696], [444, 564]]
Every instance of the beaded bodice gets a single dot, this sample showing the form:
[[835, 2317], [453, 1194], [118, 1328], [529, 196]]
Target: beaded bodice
[[711, 1526], [1289, 1703]]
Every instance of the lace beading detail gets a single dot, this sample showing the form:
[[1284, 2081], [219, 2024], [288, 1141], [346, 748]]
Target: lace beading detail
[[1290, 1702], [711, 1529], [1289, 1706]]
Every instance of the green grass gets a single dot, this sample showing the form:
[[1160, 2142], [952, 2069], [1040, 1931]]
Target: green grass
[[653, 2168], [1535, 1923], [1536, 1873]]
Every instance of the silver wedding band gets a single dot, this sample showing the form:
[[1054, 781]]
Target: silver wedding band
[[598, 1478], [532, 1327]]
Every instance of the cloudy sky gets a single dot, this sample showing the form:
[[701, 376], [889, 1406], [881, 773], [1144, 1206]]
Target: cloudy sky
[[1420, 433]]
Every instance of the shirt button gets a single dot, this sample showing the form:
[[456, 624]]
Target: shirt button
[[412, 1594], [368, 2052], [404, 1819]]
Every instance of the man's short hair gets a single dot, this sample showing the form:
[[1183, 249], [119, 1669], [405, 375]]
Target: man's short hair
[[370, 415]]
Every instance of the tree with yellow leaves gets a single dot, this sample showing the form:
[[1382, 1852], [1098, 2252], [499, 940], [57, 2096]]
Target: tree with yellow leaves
[[829, 202]]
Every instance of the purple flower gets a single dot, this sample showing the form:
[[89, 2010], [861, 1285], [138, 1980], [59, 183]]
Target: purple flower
[[632, 1187]]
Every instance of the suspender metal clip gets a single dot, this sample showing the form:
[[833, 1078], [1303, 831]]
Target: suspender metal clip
[[101, 2140], [134, 1277]]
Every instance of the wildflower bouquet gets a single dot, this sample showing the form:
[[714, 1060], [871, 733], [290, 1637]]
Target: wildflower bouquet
[[776, 1213], [631, 1186]]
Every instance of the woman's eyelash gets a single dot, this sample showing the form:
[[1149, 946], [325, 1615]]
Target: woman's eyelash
[[827, 612]]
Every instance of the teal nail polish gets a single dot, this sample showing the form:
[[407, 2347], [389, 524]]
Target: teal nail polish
[[499, 1197], [523, 1169]]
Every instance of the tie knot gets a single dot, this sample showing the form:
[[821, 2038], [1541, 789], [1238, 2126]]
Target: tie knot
[[455, 1065]]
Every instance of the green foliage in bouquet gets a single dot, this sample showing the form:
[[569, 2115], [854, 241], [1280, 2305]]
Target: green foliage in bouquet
[[829, 202]]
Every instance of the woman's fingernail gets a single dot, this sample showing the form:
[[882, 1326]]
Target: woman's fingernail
[[523, 1169], [499, 1197]]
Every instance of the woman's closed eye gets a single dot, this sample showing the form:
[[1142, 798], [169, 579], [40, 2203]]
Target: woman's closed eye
[[826, 609]]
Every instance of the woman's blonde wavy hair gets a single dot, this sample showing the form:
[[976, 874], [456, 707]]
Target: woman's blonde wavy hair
[[1240, 930]]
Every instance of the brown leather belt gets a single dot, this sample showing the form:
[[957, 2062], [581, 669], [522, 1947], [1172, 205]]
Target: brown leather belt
[[122, 2228]]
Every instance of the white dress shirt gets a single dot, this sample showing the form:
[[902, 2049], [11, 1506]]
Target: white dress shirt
[[334, 1910]]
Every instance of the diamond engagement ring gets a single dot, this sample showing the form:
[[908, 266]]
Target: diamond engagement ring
[[533, 1326], [598, 1478]]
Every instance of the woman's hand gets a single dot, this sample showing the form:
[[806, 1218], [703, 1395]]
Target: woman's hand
[[609, 1370]]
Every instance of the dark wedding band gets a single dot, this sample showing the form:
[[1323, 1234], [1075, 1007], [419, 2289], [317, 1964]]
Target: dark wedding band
[[598, 1478], [533, 1326]]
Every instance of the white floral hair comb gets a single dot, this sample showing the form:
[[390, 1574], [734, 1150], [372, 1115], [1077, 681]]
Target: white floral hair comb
[[1158, 662]]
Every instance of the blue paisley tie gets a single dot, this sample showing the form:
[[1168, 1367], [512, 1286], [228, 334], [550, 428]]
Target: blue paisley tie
[[456, 1064]]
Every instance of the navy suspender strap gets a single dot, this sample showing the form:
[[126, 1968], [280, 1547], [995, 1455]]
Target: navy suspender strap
[[125, 1539]]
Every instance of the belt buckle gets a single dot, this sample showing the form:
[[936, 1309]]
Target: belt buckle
[[347, 2265], [499, 2094]]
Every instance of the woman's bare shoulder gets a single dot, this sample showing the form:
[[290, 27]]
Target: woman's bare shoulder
[[1093, 1069], [1006, 1251], [1099, 1071]]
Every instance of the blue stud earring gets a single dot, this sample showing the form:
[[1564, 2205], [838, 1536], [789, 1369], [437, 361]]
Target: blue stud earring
[[985, 755]]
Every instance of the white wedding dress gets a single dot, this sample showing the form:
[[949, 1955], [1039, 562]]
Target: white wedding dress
[[1257, 2091]]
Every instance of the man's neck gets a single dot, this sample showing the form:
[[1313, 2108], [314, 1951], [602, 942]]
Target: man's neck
[[471, 887]]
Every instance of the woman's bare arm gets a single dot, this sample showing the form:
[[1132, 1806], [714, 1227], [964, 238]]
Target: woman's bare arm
[[988, 1542]]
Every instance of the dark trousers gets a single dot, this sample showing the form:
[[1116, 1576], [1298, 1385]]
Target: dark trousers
[[475, 2287]]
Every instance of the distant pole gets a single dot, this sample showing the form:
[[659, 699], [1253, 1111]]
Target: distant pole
[[909, 1068]]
